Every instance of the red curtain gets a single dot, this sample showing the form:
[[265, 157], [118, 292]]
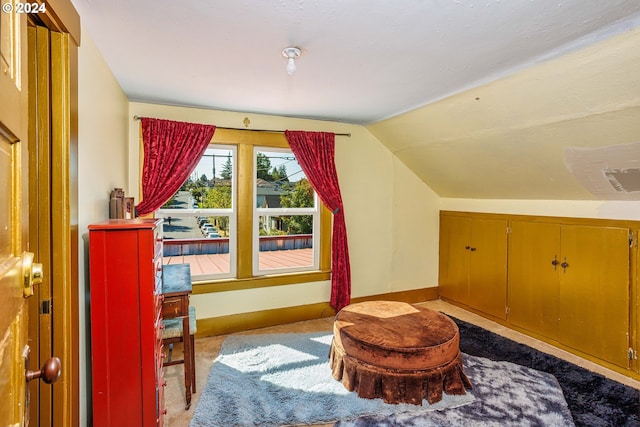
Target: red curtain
[[315, 152], [171, 152]]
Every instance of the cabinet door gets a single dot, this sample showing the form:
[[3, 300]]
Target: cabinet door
[[454, 258], [488, 266], [534, 251], [594, 292]]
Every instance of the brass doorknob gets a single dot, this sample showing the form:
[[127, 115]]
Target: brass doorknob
[[31, 272], [37, 273], [49, 373]]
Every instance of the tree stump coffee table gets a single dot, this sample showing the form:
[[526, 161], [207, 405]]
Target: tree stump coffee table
[[397, 352]]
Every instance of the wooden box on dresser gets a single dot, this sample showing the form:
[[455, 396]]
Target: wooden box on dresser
[[125, 262]]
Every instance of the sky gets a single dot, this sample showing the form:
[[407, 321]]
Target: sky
[[220, 155]]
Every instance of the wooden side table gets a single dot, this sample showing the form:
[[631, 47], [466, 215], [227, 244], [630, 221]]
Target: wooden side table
[[176, 288]]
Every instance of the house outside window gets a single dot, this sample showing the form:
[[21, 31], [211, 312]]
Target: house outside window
[[286, 214]]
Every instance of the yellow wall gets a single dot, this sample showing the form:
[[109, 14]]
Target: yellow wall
[[102, 165], [391, 215], [415, 232]]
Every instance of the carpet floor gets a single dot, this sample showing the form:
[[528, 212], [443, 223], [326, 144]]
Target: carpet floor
[[623, 401], [284, 379], [593, 399]]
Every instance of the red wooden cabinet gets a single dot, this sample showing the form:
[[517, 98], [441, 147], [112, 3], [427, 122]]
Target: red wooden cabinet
[[125, 262]]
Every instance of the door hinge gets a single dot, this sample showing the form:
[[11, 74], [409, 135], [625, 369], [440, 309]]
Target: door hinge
[[46, 306], [506, 310], [632, 240], [633, 355], [509, 230]]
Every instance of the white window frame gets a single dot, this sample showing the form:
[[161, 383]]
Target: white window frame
[[257, 212], [232, 213]]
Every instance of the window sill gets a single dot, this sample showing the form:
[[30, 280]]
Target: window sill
[[223, 285]]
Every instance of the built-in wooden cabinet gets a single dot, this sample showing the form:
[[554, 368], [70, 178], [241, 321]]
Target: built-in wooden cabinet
[[568, 280], [533, 276], [473, 262], [594, 292], [125, 262], [571, 283]]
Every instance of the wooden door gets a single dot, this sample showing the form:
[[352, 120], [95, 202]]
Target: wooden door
[[594, 292], [488, 266], [454, 258], [53, 330], [13, 213], [533, 283], [40, 312]]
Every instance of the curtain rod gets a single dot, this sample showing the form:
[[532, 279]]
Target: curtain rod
[[258, 130]]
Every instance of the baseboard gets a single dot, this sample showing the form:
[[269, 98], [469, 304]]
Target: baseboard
[[260, 319]]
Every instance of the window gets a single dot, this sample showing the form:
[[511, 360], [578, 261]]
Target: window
[[285, 214], [247, 217], [200, 219]]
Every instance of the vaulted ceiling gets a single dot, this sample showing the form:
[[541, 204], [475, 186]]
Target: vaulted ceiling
[[481, 99], [567, 129]]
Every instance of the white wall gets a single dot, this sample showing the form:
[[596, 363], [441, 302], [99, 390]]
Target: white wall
[[549, 131], [392, 222], [628, 210], [102, 165]]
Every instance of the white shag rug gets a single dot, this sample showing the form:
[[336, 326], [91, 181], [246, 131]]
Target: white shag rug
[[285, 379]]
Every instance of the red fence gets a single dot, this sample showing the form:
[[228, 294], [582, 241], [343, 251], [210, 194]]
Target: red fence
[[220, 245]]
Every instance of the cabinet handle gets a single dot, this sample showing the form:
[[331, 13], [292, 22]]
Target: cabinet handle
[[555, 263], [564, 265], [472, 249], [467, 247]]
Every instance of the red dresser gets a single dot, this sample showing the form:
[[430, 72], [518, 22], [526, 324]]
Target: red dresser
[[125, 259]]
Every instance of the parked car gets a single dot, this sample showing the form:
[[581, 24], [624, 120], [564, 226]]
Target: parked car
[[212, 235], [208, 229]]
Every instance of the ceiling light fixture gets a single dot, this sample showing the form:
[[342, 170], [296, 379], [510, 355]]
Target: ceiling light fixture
[[291, 53]]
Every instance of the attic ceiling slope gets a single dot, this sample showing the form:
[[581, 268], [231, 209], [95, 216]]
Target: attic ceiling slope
[[362, 60], [561, 130]]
